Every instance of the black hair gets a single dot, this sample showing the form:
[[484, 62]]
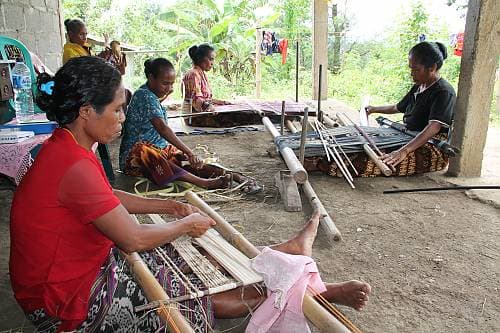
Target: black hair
[[155, 66], [198, 53], [81, 81], [73, 25], [429, 53]]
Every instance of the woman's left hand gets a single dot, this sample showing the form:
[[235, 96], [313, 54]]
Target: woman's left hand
[[195, 161], [394, 158]]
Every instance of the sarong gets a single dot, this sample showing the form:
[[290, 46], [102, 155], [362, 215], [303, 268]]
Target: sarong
[[427, 158], [161, 166], [115, 294]]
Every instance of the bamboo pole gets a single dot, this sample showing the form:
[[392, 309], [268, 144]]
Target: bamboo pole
[[331, 231], [303, 136], [297, 171], [313, 311], [154, 292], [373, 156]]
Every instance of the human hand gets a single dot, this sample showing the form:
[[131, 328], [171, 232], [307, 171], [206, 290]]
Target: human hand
[[106, 38], [394, 158], [183, 210], [198, 224], [195, 161], [369, 109]]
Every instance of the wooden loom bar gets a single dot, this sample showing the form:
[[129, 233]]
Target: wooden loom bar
[[154, 292], [381, 165], [297, 171], [314, 312], [303, 136], [375, 153], [329, 227]]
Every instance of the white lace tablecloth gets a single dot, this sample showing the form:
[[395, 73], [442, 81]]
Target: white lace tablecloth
[[15, 158]]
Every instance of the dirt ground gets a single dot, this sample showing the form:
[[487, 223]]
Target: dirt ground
[[432, 259]]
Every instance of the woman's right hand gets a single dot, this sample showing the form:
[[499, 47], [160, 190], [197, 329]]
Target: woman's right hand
[[198, 224], [370, 109]]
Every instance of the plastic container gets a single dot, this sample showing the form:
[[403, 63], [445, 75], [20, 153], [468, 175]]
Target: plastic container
[[23, 97]]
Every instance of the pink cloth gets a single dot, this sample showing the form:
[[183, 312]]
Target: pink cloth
[[15, 158], [286, 278]]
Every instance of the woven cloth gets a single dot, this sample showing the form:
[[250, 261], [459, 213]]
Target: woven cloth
[[15, 158]]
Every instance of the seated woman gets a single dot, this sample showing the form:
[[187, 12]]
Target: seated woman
[[77, 45], [67, 224], [114, 55], [428, 109], [198, 91], [150, 148]]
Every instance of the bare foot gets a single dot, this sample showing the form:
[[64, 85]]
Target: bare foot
[[303, 242], [219, 182], [351, 293]]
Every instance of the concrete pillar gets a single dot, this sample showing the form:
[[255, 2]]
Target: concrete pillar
[[475, 86], [320, 47]]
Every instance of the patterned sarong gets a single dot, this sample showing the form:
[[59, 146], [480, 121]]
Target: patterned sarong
[[161, 166], [115, 294], [427, 158]]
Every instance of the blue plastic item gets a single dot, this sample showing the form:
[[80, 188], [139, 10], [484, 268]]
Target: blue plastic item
[[4, 41]]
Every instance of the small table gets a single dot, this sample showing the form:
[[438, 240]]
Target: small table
[[15, 158]]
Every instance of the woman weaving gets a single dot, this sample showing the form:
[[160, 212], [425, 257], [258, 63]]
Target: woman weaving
[[197, 91], [150, 147], [67, 223], [428, 109]]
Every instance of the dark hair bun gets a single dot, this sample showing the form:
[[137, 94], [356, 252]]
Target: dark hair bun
[[82, 80], [155, 66], [44, 100], [66, 22], [192, 51], [443, 50]]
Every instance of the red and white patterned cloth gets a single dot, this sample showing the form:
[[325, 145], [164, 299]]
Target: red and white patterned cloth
[[15, 158]]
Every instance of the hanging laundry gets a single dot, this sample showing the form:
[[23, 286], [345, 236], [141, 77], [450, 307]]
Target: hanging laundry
[[283, 49], [270, 44]]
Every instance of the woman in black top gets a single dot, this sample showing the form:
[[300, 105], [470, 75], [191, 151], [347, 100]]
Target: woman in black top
[[428, 109], [428, 106]]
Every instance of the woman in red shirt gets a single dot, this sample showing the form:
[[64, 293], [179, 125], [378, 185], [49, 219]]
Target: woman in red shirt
[[67, 223]]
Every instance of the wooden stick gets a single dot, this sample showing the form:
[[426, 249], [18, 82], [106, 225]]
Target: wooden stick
[[297, 72], [303, 136], [381, 165], [318, 129], [365, 135], [377, 159], [291, 127], [341, 149], [330, 229], [282, 129], [320, 113], [328, 121], [155, 292], [340, 120], [297, 170], [318, 315]]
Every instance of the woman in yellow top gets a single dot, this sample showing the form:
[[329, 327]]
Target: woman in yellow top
[[77, 45]]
